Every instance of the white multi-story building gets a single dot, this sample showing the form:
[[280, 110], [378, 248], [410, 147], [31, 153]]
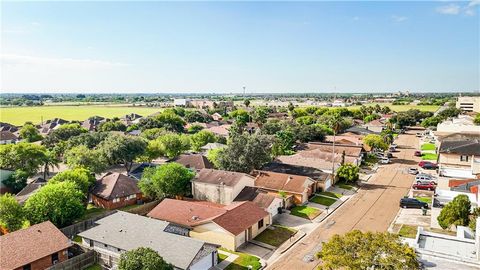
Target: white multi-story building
[[469, 104]]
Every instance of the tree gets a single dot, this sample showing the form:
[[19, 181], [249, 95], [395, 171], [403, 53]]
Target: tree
[[358, 250], [61, 203], [305, 120], [348, 172], [476, 120], [240, 116], [371, 117], [83, 157], [201, 138], [167, 120], [375, 142], [30, 133], [260, 115], [473, 218], [169, 180], [122, 149], [285, 139], [17, 181], [246, 152], [172, 145], [90, 140], [212, 156], [27, 157], [246, 102], [63, 133], [455, 212], [387, 135], [194, 128], [153, 133], [81, 177], [11, 213], [112, 126], [142, 259], [50, 161], [197, 116]]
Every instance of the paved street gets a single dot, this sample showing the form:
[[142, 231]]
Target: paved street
[[372, 209]]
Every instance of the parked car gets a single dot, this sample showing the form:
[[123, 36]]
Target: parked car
[[419, 135], [418, 153], [389, 155], [424, 186], [425, 178], [412, 170], [384, 160], [412, 203], [394, 145], [428, 165]]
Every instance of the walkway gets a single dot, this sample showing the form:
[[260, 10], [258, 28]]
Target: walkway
[[223, 264]]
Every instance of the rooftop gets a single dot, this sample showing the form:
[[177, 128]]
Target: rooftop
[[217, 177], [282, 181], [115, 185], [196, 161]]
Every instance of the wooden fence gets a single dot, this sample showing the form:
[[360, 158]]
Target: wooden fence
[[78, 262], [143, 209]]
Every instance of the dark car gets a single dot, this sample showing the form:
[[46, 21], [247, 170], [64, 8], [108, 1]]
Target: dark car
[[427, 165], [412, 203], [424, 186], [418, 153]]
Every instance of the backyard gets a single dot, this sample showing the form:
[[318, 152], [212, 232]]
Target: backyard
[[305, 212], [276, 235]]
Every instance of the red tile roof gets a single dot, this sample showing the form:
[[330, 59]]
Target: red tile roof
[[28, 245], [459, 182], [234, 218]]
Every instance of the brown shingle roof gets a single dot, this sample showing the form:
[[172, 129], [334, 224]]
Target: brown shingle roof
[[196, 161], [7, 135], [350, 149], [115, 185], [217, 177], [259, 197], [282, 181], [28, 245], [234, 218]]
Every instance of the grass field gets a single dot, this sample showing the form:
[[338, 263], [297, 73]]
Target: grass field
[[20, 115], [243, 261], [428, 146], [408, 231], [305, 212], [323, 200], [429, 156], [277, 236], [331, 194]]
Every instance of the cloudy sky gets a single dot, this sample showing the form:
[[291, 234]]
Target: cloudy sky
[[86, 47]]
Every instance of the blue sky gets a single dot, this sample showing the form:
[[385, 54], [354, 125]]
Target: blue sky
[[172, 47]]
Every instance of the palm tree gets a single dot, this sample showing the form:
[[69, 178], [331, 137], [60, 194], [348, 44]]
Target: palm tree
[[335, 123], [50, 161]]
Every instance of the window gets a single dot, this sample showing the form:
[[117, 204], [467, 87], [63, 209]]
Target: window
[[27, 267], [54, 258], [260, 223], [116, 200], [464, 158]]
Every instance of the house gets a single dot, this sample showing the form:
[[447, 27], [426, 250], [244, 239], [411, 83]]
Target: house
[[115, 190], [194, 161], [30, 189], [49, 125], [210, 146], [123, 231], [460, 158], [219, 186], [229, 226], [272, 203], [94, 122], [181, 102], [299, 186], [210, 104], [8, 127], [323, 180], [460, 124], [138, 169], [377, 125], [7, 137], [469, 104], [349, 150], [130, 119], [217, 117], [221, 130], [36, 247], [345, 139], [358, 130]]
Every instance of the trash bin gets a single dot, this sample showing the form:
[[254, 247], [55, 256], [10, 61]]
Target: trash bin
[[424, 211]]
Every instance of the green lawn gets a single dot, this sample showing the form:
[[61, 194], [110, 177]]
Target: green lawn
[[408, 231], [428, 146], [305, 212], [221, 257], [345, 186], [429, 156], [243, 261], [20, 115], [91, 212], [331, 194], [323, 200], [275, 237], [94, 267], [425, 199]]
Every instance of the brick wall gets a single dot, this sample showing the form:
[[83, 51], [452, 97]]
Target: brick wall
[[46, 261], [109, 204]]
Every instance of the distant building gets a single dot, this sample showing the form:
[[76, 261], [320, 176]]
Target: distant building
[[181, 102], [7, 137], [469, 104]]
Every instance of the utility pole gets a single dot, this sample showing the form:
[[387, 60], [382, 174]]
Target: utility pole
[[244, 91]]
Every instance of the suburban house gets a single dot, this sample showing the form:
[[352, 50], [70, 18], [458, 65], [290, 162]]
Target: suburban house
[[115, 190], [376, 125], [358, 130], [130, 119], [345, 139], [210, 104], [460, 158], [210, 146], [229, 226], [323, 180], [272, 203], [7, 137], [8, 127], [49, 125], [124, 231], [94, 122], [460, 124], [36, 247], [194, 161], [221, 130], [350, 150], [137, 169], [219, 186], [298, 186]]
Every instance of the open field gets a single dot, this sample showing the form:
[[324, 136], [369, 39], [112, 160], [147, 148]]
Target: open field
[[20, 115]]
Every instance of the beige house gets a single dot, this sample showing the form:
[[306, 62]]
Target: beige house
[[219, 186], [229, 226], [460, 158]]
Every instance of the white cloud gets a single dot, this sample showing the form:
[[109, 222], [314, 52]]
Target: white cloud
[[14, 60], [450, 9], [473, 3], [397, 18]]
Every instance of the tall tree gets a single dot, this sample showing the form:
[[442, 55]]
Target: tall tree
[[112, 126], [358, 250], [30, 133], [348, 172], [456, 212], [375, 142], [81, 177], [167, 120], [12, 216], [27, 157], [201, 138], [142, 259], [50, 162], [63, 133], [83, 157], [169, 180], [122, 149]]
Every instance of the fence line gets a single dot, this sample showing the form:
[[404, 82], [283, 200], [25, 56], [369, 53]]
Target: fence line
[[78, 262]]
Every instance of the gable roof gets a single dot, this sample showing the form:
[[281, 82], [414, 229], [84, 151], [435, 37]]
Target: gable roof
[[7, 136], [311, 172], [282, 181], [28, 245], [129, 231], [221, 130], [360, 130], [375, 123], [196, 161], [234, 218], [115, 185], [218, 177], [462, 147], [259, 197], [349, 149]]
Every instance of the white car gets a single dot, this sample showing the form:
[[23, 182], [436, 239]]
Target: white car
[[412, 170], [385, 160]]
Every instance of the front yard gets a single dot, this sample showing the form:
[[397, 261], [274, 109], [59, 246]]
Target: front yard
[[243, 261], [408, 231], [428, 146], [425, 199], [304, 211], [275, 235], [429, 156], [331, 194], [323, 200], [221, 257]]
